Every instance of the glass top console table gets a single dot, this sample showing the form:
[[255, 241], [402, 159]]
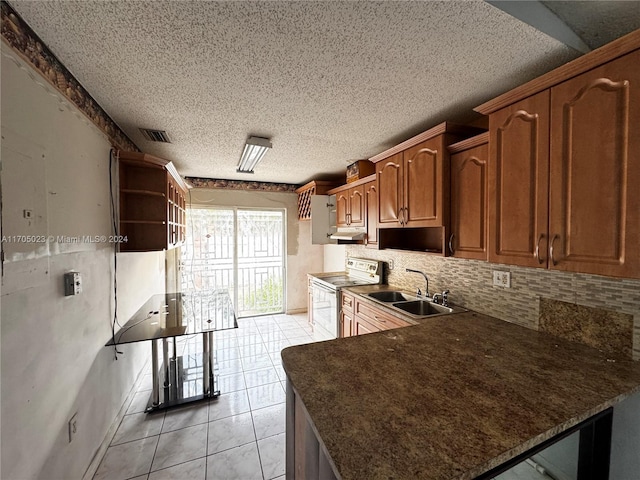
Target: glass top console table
[[163, 318]]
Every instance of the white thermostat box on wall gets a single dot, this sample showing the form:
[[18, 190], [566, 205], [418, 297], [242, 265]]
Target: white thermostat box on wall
[[72, 283]]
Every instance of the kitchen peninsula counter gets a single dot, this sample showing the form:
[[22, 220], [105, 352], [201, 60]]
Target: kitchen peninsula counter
[[452, 397]]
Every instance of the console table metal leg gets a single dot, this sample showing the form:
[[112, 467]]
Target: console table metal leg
[[155, 394], [206, 366], [165, 359], [212, 380]]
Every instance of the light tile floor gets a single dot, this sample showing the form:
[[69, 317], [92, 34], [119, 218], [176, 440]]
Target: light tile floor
[[237, 436]]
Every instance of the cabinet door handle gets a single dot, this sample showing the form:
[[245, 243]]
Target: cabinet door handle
[[379, 319], [553, 260], [451, 244], [400, 216], [405, 216], [537, 253]]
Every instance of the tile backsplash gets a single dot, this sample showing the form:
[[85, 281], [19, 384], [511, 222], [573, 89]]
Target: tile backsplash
[[470, 283]]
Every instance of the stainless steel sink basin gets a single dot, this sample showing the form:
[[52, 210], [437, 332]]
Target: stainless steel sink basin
[[422, 308], [391, 296], [411, 305]]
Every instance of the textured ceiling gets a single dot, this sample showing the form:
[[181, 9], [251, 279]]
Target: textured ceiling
[[598, 23], [328, 82]]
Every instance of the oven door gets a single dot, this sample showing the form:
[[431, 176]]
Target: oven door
[[325, 312]]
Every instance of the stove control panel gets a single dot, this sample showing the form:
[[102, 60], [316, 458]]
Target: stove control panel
[[363, 266]]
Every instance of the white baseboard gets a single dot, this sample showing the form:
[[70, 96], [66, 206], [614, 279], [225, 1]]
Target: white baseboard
[[102, 449], [295, 311]]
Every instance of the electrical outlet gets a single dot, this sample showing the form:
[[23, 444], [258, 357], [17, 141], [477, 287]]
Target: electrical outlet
[[391, 264], [501, 279], [73, 426]]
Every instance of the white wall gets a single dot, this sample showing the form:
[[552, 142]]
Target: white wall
[[334, 258], [54, 363], [302, 256], [625, 440]]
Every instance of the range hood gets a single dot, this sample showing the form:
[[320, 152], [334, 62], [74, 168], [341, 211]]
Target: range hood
[[351, 234]]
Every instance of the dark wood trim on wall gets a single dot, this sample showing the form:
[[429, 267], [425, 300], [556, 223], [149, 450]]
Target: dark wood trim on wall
[[19, 36], [197, 182]]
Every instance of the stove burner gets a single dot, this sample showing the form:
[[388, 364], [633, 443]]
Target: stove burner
[[342, 281], [346, 283], [359, 272]]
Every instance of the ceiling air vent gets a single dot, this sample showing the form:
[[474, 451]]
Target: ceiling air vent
[[155, 135]]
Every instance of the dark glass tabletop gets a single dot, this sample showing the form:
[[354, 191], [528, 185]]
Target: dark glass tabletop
[[176, 314]]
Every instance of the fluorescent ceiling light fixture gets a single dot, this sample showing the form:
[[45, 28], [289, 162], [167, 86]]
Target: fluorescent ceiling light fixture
[[254, 150]]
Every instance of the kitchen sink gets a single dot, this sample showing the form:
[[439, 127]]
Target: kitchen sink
[[422, 308], [391, 296], [411, 305]]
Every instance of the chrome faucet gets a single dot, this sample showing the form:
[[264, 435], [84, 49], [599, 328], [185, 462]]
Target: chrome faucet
[[426, 279], [441, 298]]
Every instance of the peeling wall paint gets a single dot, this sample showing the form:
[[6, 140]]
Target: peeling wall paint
[[55, 164]]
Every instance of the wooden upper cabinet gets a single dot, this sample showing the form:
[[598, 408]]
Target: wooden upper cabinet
[[564, 169], [371, 213], [413, 178], [307, 192], [423, 184], [594, 207], [152, 203], [563, 175], [518, 182], [469, 172], [342, 208], [356, 206], [390, 178], [350, 208]]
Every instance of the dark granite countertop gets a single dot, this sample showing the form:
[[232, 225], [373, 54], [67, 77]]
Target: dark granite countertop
[[450, 397]]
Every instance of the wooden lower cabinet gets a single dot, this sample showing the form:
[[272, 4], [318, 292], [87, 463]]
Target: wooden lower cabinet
[[369, 319], [306, 457], [358, 318], [346, 315], [346, 325], [309, 302], [361, 326]]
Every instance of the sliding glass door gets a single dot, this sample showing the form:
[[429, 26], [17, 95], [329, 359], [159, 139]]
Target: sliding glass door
[[238, 249]]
